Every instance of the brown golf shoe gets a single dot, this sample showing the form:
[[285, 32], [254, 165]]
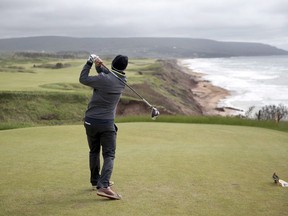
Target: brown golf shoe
[[108, 193]]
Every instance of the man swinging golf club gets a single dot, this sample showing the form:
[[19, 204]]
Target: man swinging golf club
[[99, 119]]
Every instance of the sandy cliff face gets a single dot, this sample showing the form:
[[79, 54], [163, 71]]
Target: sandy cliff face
[[182, 92]]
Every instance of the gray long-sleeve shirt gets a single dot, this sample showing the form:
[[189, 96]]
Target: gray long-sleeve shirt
[[107, 90]]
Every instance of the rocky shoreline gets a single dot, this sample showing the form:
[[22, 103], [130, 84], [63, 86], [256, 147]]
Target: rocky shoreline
[[206, 94]]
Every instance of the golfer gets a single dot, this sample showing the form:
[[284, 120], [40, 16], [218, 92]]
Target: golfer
[[99, 119]]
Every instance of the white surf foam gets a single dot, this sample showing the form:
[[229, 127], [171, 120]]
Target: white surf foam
[[252, 81]]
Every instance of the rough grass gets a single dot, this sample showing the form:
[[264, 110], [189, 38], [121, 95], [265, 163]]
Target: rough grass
[[160, 169], [26, 109], [41, 108]]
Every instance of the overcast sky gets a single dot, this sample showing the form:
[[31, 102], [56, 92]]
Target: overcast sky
[[224, 20]]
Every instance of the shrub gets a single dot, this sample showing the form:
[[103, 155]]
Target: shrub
[[269, 112]]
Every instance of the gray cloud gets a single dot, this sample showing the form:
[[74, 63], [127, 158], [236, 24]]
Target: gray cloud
[[232, 20]]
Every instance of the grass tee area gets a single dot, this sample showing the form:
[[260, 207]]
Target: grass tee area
[[160, 169]]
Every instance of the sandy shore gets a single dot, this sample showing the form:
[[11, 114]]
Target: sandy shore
[[206, 94]]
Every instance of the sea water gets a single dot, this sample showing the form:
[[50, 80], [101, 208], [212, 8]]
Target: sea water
[[251, 81]]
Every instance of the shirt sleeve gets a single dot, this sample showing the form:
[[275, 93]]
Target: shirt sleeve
[[85, 79]]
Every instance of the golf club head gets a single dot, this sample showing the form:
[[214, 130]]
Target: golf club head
[[154, 113]]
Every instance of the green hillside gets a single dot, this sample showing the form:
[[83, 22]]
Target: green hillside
[[44, 90]]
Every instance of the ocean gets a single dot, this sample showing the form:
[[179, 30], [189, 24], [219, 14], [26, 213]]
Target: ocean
[[251, 81]]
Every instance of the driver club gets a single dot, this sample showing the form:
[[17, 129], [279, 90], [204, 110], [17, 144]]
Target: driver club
[[154, 112]]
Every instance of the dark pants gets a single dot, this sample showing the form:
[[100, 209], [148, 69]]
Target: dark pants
[[101, 135]]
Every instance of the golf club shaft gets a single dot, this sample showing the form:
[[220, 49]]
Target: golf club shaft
[[143, 99]]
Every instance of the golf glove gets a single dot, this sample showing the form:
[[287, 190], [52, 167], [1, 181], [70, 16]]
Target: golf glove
[[92, 58]]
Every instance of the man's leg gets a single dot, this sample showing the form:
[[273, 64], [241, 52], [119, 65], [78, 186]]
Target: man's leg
[[94, 153], [108, 142]]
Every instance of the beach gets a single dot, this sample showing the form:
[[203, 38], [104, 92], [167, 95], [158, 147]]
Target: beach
[[206, 94]]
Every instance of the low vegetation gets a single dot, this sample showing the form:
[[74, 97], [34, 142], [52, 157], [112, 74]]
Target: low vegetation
[[269, 112], [20, 109], [30, 109], [58, 65]]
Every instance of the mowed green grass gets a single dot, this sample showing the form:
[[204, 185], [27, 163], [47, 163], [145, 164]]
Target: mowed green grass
[[39, 76], [45, 79], [160, 169]]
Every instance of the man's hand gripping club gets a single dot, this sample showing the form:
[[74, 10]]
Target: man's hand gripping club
[[94, 58]]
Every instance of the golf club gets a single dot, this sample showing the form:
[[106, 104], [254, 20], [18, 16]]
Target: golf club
[[154, 112]]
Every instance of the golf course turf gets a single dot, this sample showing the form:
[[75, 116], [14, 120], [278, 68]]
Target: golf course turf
[[160, 169]]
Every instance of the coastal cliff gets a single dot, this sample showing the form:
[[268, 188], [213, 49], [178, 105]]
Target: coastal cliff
[[181, 92]]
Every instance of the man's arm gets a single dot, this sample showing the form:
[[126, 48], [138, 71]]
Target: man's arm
[[92, 81], [84, 75], [84, 78]]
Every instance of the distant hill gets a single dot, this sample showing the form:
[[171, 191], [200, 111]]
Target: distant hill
[[139, 47]]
